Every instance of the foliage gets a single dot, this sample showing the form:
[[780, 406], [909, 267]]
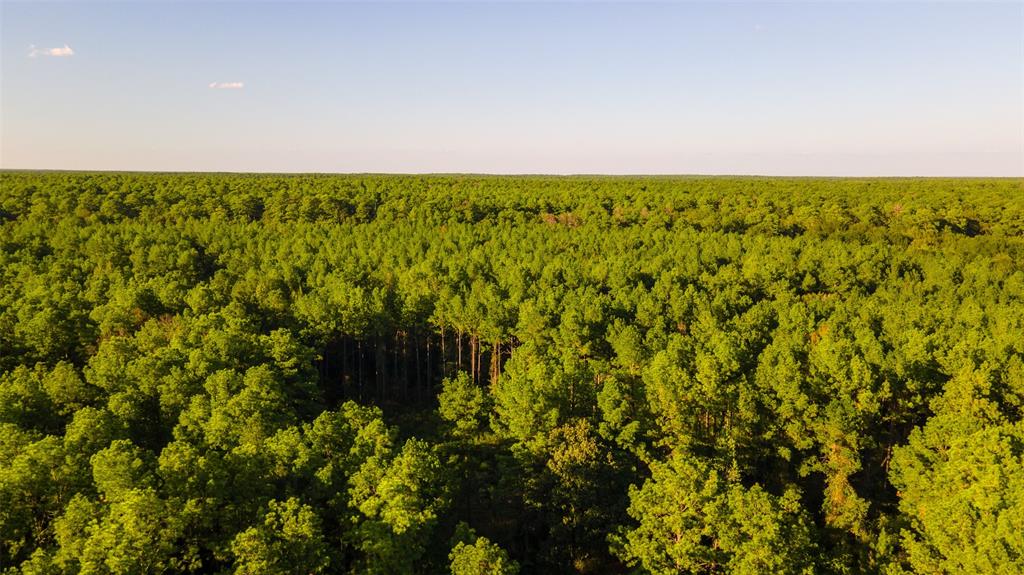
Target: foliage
[[213, 373], [694, 520], [479, 556]]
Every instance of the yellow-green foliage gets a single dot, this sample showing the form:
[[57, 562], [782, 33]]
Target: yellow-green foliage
[[215, 373]]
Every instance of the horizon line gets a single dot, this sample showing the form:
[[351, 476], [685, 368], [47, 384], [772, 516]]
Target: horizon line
[[524, 174]]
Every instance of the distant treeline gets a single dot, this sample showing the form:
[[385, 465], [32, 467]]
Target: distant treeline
[[214, 373]]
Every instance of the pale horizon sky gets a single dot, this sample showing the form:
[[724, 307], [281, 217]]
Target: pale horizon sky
[[815, 89]]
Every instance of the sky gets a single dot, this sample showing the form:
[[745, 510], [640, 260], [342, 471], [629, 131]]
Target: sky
[[806, 88]]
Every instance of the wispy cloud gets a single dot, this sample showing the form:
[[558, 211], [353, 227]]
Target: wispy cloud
[[227, 85], [58, 52], [760, 27]]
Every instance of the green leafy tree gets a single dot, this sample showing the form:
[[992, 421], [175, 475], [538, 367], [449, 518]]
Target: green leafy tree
[[398, 503], [474, 555], [961, 483], [136, 534], [462, 404], [691, 519], [289, 541]]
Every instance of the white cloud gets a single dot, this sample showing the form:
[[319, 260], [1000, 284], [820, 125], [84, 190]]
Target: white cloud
[[760, 27], [58, 52], [227, 85]]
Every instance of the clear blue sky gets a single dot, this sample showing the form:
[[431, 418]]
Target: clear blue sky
[[715, 88]]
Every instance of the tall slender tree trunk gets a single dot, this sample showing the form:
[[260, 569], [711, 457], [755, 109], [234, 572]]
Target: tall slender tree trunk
[[444, 359], [458, 336], [381, 366], [419, 381], [472, 357], [430, 373], [344, 368], [359, 367], [396, 375], [495, 361]]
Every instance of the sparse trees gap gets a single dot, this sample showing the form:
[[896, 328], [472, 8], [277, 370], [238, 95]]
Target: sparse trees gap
[[292, 374]]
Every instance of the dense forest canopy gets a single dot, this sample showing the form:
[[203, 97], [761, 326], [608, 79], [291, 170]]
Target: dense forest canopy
[[215, 373]]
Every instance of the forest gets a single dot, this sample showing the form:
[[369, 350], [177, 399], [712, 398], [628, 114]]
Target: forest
[[384, 374]]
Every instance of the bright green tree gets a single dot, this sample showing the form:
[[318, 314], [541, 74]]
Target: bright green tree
[[691, 519], [288, 541]]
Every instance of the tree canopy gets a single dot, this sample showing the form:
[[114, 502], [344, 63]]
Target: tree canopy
[[229, 373]]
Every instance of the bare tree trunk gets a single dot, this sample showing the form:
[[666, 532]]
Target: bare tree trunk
[[472, 357], [359, 367], [430, 373], [344, 368], [396, 376], [495, 361], [381, 366], [458, 336], [444, 359]]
